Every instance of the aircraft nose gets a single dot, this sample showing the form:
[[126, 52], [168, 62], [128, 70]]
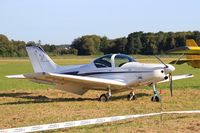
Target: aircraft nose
[[170, 68]]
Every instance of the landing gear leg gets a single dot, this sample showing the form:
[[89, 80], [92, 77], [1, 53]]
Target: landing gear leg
[[105, 97], [155, 97], [131, 96]]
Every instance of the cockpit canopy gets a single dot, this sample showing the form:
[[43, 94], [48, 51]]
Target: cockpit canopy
[[113, 60]]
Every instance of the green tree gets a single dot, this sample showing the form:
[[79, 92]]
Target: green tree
[[134, 44], [105, 45], [87, 45]]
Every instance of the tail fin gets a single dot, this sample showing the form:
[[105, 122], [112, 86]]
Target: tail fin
[[39, 59], [191, 43]]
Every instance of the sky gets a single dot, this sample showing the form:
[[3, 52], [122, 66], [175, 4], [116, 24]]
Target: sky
[[61, 21]]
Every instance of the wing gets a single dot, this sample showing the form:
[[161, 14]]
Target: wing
[[180, 62], [177, 77], [190, 48], [81, 84], [16, 76], [72, 83], [179, 50], [185, 50]]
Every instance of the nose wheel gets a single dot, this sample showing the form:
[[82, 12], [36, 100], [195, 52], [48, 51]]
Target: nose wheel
[[155, 97]]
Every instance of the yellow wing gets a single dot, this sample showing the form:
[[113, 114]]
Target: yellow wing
[[191, 48]]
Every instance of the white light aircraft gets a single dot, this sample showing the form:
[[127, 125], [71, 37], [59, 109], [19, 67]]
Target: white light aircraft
[[112, 73]]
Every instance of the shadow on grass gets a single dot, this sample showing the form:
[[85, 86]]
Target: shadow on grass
[[138, 95], [18, 94], [44, 99]]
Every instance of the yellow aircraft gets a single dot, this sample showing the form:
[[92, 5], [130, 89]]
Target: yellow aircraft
[[192, 52]]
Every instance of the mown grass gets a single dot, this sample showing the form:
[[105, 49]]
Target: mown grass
[[10, 66], [23, 103]]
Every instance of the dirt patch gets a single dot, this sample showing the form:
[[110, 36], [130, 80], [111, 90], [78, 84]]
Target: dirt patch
[[25, 108]]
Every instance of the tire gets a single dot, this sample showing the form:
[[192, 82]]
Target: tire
[[103, 98], [131, 97], [155, 98]]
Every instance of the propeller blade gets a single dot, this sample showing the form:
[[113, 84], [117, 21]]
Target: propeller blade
[[161, 61], [170, 78], [170, 75]]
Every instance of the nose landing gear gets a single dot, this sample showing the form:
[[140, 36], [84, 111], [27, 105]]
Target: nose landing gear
[[155, 97]]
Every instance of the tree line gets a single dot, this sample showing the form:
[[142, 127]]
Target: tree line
[[135, 43], [12, 48]]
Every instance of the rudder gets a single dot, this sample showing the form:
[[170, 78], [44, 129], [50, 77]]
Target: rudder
[[39, 59]]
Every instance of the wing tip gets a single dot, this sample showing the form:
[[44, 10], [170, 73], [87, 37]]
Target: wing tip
[[15, 76], [189, 75]]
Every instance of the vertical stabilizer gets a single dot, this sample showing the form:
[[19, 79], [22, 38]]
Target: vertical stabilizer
[[39, 59], [191, 43]]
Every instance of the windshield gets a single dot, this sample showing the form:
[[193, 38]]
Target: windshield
[[121, 59], [104, 61], [112, 60]]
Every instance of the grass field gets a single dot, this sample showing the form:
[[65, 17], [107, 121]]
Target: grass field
[[23, 103]]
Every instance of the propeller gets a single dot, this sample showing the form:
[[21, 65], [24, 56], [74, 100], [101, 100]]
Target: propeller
[[170, 74], [179, 59], [161, 61]]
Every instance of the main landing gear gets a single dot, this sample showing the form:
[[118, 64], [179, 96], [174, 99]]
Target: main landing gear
[[155, 97], [105, 97], [131, 96]]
